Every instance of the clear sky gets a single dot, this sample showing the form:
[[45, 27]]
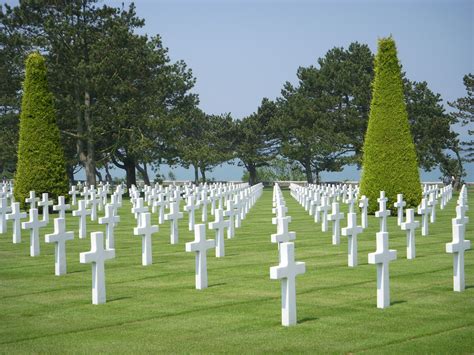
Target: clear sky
[[241, 50]]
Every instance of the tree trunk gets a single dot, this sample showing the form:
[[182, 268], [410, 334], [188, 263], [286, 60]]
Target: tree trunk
[[144, 173], [130, 171], [85, 144], [196, 173], [70, 174], [203, 173], [99, 175], [108, 177], [309, 173], [252, 169]]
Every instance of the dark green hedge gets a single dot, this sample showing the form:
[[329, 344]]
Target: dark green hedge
[[389, 161], [41, 165]]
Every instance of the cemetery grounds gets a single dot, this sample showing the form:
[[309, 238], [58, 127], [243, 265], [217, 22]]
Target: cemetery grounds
[[157, 308]]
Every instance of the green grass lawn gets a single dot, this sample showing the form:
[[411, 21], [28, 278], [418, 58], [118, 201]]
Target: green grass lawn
[[157, 308]]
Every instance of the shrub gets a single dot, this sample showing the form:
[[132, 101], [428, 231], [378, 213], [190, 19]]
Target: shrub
[[389, 161], [41, 165]]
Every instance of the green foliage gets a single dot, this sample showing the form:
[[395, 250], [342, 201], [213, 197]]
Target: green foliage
[[41, 165], [430, 125], [255, 143], [278, 169], [465, 115], [321, 122], [389, 161], [205, 141]]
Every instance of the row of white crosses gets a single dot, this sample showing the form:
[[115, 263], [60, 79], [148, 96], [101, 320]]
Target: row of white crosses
[[459, 245], [384, 255], [60, 236], [200, 245], [287, 269], [317, 198]]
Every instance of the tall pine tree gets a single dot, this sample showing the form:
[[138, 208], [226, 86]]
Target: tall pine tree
[[389, 160], [41, 165]]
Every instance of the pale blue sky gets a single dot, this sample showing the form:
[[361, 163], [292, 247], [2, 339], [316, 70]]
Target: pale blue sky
[[241, 51]]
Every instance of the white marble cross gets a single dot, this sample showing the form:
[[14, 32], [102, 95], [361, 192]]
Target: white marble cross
[[45, 203], [73, 192], [382, 257], [160, 203], [16, 215], [82, 212], [336, 217], [111, 220], [351, 199], [34, 225], [200, 245], [219, 225], [382, 213], [432, 202], [97, 256], [423, 210], [93, 202], [203, 203], [32, 200], [287, 271], [238, 204], [364, 204], [280, 212], [190, 208], [62, 207], [4, 209], [324, 208], [114, 202], [351, 231], [283, 235], [145, 230], [230, 212], [399, 206], [457, 247], [410, 225], [460, 215], [59, 237], [174, 216], [138, 209]]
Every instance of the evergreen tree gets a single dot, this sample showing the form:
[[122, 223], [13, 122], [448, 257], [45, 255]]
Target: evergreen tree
[[41, 164], [389, 160]]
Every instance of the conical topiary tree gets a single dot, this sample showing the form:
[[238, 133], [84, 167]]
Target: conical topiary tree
[[389, 162], [41, 165]]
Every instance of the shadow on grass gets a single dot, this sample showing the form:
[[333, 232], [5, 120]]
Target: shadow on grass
[[307, 319], [119, 298], [397, 302], [217, 285]]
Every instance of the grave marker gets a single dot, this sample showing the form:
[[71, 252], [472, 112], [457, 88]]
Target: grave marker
[[34, 225], [82, 212], [59, 238], [382, 257], [111, 220], [287, 271], [145, 230], [351, 232], [97, 256], [16, 215], [457, 247], [219, 225], [410, 225], [200, 245]]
